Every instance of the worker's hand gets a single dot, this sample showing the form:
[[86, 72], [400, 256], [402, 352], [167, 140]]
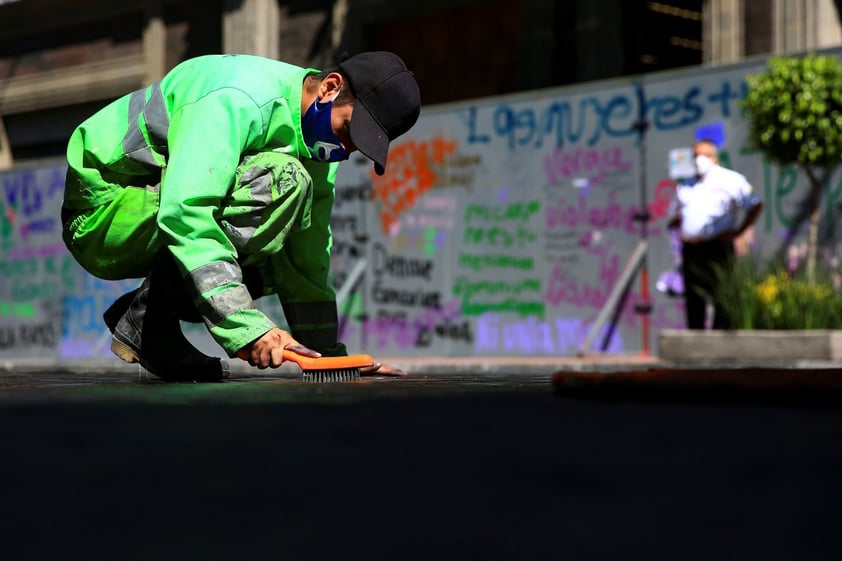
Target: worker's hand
[[744, 241], [268, 349], [380, 369]]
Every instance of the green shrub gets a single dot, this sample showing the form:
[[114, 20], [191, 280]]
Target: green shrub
[[793, 110], [767, 296]]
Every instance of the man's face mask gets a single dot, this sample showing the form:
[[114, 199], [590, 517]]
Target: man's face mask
[[322, 143], [703, 164]]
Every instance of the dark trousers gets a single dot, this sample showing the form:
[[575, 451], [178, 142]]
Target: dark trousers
[[169, 293], [703, 265]]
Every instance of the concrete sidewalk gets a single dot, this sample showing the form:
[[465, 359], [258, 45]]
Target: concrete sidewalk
[[676, 348], [607, 376], [475, 466], [427, 364], [443, 365]]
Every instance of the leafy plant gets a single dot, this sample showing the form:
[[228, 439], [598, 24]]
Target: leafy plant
[[737, 294], [768, 296], [794, 115]]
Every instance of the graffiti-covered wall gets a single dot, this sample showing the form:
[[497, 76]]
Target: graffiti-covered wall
[[501, 227]]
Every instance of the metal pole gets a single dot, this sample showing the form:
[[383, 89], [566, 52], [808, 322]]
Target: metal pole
[[350, 282], [620, 287], [644, 306]]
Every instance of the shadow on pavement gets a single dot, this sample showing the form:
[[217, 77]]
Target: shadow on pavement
[[467, 467]]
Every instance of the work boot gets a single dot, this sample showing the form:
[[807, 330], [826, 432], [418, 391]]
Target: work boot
[[116, 310], [148, 331]]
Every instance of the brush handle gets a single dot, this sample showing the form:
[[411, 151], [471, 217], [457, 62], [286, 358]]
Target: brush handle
[[322, 363], [328, 362]]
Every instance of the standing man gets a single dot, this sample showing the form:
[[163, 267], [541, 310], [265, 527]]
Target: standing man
[[215, 186], [707, 213]]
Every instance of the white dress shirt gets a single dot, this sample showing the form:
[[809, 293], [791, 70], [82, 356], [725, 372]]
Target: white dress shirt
[[711, 206]]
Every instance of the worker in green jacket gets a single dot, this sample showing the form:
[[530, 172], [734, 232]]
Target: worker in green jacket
[[215, 185]]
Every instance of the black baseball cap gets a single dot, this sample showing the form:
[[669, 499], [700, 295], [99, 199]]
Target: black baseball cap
[[387, 104]]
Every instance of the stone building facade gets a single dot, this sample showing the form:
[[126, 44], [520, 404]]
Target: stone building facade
[[62, 60]]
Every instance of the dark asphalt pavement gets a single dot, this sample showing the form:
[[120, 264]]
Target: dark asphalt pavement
[[105, 465]]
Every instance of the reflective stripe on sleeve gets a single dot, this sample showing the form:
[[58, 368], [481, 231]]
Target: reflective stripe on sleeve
[[219, 306], [210, 277], [156, 123]]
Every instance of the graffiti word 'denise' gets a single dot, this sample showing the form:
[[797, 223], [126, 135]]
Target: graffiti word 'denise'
[[399, 266]]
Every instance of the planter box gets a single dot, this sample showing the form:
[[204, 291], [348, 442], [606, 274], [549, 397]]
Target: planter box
[[750, 346]]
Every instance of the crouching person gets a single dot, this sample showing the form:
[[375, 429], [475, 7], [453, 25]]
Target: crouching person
[[215, 186]]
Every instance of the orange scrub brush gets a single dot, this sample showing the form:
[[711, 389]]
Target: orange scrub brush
[[327, 368]]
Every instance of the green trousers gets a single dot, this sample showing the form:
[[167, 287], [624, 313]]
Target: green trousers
[[270, 199], [270, 202]]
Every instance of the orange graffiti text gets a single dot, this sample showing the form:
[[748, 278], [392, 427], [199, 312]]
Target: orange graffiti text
[[410, 172]]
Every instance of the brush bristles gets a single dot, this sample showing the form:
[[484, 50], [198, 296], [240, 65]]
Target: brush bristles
[[329, 376]]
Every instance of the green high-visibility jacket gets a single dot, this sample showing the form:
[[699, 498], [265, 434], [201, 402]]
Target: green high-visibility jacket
[[187, 135]]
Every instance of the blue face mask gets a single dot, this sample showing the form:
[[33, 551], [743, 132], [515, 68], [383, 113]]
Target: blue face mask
[[322, 143]]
